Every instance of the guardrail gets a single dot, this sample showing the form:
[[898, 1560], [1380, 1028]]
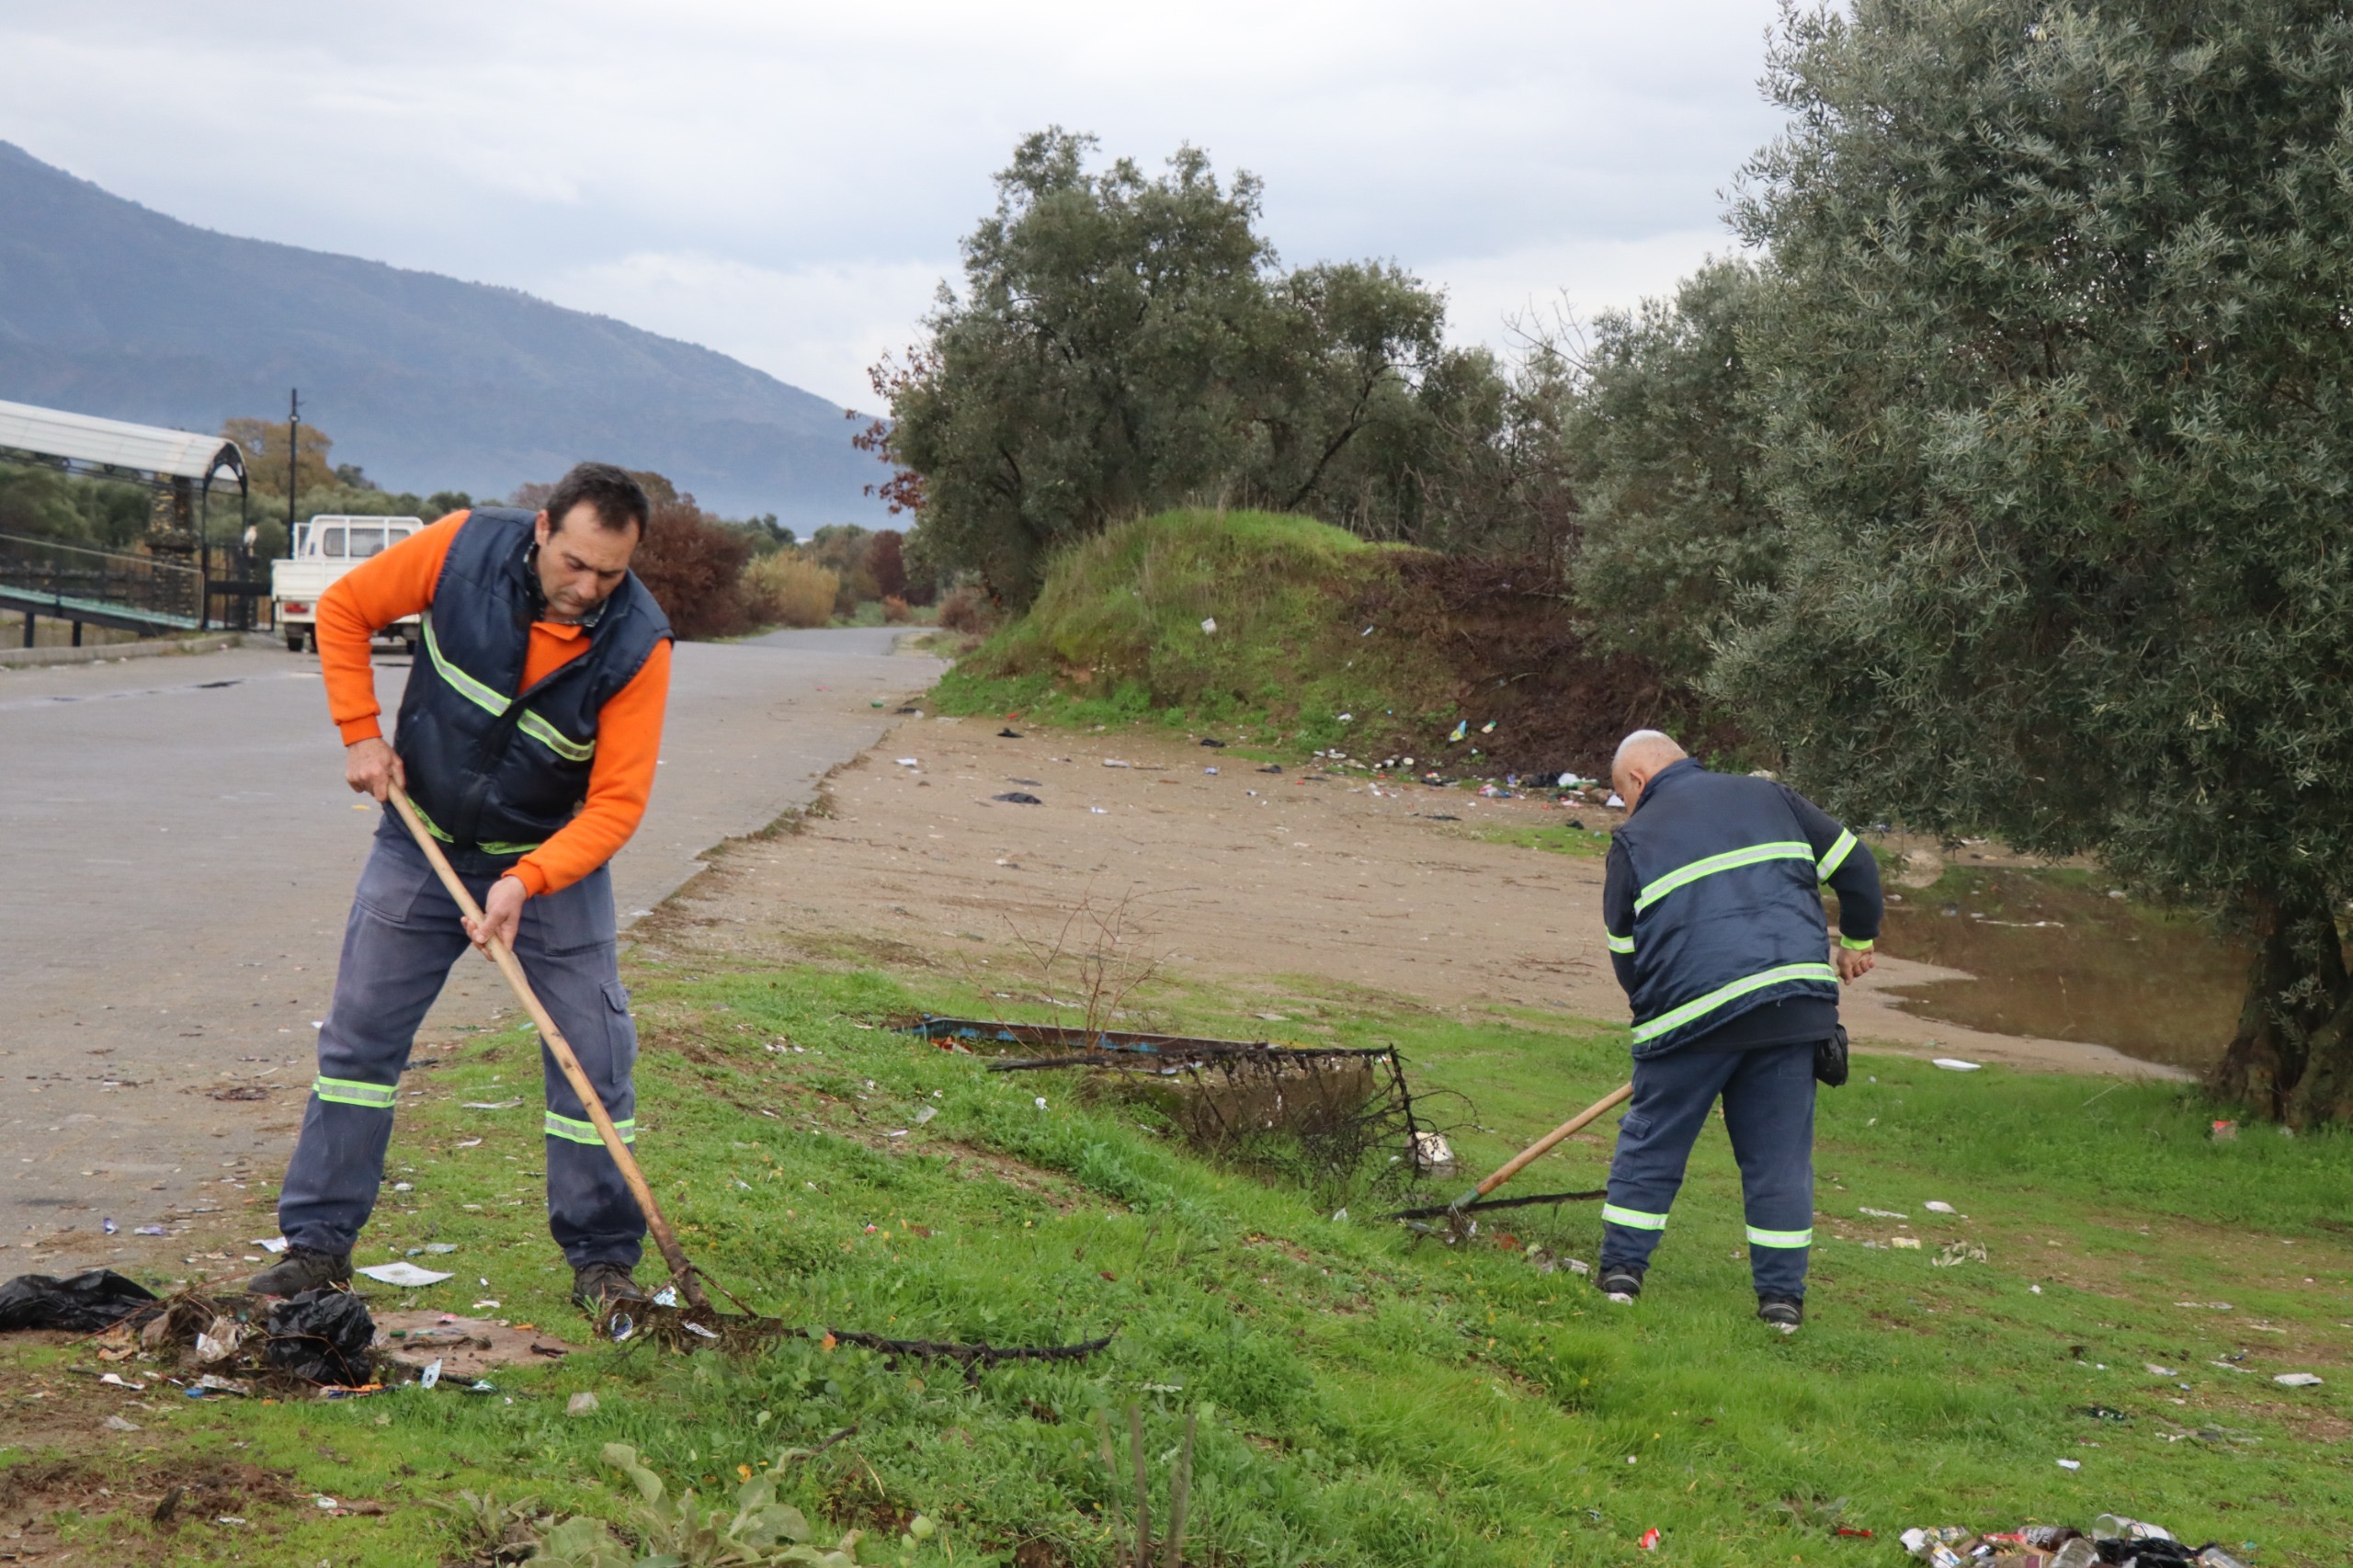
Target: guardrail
[[72, 582]]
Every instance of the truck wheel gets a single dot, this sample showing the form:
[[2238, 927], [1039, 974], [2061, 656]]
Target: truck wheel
[[294, 642], [409, 644]]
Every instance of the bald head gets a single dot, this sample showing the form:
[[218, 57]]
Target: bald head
[[1641, 756]]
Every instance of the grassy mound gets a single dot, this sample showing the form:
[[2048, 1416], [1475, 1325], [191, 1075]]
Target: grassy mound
[[1121, 630], [1321, 641]]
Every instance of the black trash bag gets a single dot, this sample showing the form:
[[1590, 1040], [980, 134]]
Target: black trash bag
[[96, 1300], [322, 1336]]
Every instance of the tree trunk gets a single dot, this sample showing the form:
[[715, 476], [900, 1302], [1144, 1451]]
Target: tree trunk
[[2291, 1058]]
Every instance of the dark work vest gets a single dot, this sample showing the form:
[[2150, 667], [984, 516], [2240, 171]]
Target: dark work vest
[[495, 770], [1726, 915]]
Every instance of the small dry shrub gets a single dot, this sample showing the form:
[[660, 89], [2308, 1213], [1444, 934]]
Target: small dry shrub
[[894, 609], [790, 590], [964, 610]]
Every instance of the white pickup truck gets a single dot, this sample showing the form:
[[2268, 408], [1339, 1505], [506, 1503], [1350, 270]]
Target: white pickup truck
[[325, 548]]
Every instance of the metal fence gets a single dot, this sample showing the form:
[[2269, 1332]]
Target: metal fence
[[135, 590]]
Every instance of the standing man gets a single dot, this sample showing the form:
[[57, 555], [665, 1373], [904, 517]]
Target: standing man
[[1716, 931], [527, 741]]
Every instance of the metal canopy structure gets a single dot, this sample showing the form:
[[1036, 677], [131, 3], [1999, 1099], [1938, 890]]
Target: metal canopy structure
[[170, 586], [116, 449]]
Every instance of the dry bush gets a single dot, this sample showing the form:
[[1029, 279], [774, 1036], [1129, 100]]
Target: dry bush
[[894, 609], [786, 589], [965, 609], [694, 569]]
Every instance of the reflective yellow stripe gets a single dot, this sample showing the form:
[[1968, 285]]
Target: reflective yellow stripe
[[350, 1091], [1633, 1218], [1837, 858], [1620, 944], [555, 740], [1731, 861], [586, 1132], [500, 847], [1852, 946], [466, 686], [1779, 1238], [1702, 1007], [430, 825]]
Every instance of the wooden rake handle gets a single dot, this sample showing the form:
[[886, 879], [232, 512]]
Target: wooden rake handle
[[1537, 1150], [509, 965]]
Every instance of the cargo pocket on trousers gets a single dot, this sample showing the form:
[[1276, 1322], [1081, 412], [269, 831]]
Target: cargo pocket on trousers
[[576, 919], [623, 1029], [1633, 1128], [390, 884]]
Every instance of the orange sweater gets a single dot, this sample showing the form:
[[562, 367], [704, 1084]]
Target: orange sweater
[[377, 592]]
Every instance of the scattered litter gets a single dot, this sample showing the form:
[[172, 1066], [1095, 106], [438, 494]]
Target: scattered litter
[[666, 1297], [403, 1273], [2116, 1527], [693, 1327], [1432, 1152], [1955, 1064], [115, 1380], [1650, 1537], [438, 1246], [1616, 802], [486, 1306], [1208, 625], [430, 1376], [909, 762], [274, 1243], [582, 1404], [151, 1231], [1215, 743], [212, 1382], [2156, 1371], [2225, 1131], [2297, 1380], [1041, 1102], [2209, 1306], [1936, 1205], [1023, 797], [2071, 1464], [1957, 1252], [1115, 761], [1009, 734], [1911, 1242], [492, 1104], [1099, 811], [81, 1304], [117, 1424], [108, 1225], [1882, 1214], [1211, 771]]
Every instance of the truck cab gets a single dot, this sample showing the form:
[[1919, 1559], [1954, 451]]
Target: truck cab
[[325, 548]]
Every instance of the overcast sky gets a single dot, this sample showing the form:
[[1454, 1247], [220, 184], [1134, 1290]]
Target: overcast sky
[[788, 182]]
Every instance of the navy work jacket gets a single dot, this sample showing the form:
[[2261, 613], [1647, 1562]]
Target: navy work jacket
[[1711, 905], [492, 769]]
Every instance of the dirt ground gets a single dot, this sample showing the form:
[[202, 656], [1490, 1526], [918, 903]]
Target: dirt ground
[[1275, 883]]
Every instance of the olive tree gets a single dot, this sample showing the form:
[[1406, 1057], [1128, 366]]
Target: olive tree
[[1124, 343], [2057, 381]]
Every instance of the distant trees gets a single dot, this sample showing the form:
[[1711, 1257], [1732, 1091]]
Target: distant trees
[[264, 443], [1124, 343], [41, 503]]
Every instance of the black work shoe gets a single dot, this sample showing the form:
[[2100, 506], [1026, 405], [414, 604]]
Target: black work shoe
[[598, 1285], [1784, 1312], [1619, 1282], [302, 1268]]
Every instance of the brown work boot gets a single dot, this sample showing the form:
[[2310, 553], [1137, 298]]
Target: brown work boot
[[597, 1286], [302, 1268]]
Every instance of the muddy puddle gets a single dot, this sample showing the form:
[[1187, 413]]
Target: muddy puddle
[[2055, 956]]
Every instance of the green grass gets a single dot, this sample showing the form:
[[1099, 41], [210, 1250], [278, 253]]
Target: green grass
[[1116, 637], [1375, 1401], [1556, 838]]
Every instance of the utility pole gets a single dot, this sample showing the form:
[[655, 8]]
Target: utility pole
[[293, 460]]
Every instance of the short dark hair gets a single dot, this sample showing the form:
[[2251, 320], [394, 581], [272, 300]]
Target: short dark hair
[[619, 500]]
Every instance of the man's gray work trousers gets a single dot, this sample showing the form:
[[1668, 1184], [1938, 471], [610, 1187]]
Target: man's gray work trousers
[[1768, 1109], [398, 947]]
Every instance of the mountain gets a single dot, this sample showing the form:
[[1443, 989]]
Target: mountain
[[426, 382]]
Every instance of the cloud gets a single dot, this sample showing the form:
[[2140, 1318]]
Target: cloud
[[770, 180]]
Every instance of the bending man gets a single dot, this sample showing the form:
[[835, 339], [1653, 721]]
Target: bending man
[[1716, 931], [527, 739]]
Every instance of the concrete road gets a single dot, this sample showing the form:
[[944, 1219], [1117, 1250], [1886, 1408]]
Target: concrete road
[[178, 851]]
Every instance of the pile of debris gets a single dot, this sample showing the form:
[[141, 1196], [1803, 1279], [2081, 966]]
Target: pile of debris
[[2113, 1541], [235, 1344]]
